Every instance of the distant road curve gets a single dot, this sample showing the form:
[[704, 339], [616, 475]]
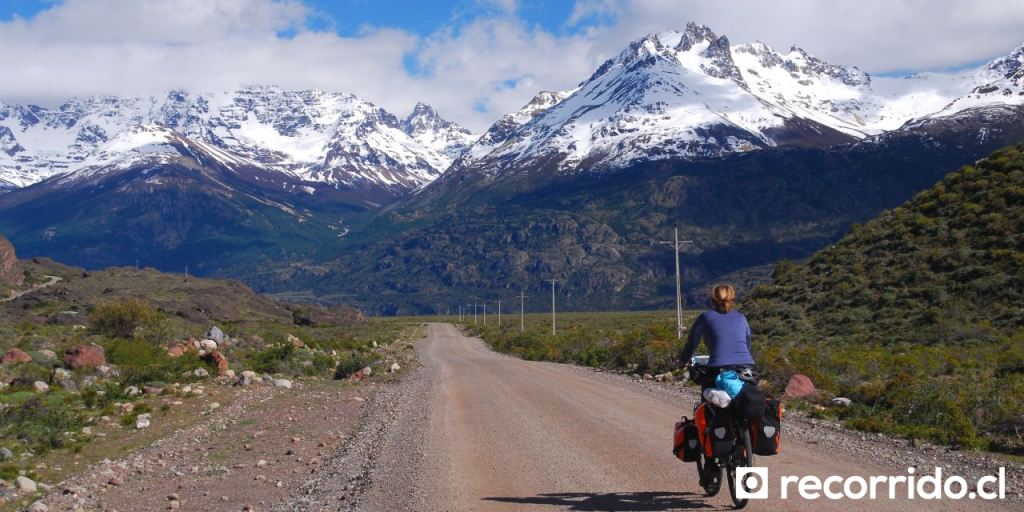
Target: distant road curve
[[53, 280]]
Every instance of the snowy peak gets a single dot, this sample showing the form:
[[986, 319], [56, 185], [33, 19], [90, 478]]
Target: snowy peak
[[693, 94], [427, 127], [297, 132]]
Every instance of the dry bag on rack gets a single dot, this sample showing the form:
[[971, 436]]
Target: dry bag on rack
[[714, 427], [764, 432], [685, 442]]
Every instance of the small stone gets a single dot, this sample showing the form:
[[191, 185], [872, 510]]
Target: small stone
[[114, 481], [41, 386], [172, 497], [394, 368], [282, 383], [174, 505], [841, 402], [38, 506], [141, 423], [225, 498], [201, 372], [214, 406], [87, 431], [261, 463], [6, 454]]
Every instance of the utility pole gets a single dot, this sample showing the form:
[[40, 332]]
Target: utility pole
[[474, 311], [679, 290], [485, 313], [186, 273], [460, 313], [499, 313], [522, 298], [553, 281]]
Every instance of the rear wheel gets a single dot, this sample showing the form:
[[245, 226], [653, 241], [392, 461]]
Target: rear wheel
[[710, 474], [742, 456]]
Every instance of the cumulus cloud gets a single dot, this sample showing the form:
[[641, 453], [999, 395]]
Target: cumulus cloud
[[878, 36], [472, 70]]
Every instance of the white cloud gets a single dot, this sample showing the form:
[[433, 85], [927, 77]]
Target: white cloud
[[471, 71]]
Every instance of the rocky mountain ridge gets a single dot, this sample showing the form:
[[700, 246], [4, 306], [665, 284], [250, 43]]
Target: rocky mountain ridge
[[317, 136]]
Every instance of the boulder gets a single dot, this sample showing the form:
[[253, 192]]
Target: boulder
[[282, 383], [48, 354], [217, 359], [201, 372], [67, 318], [394, 368], [38, 506], [60, 374], [68, 385], [800, 386], [82, 356], [141, 422], [208, 345], [132, 391], [6, 454], [10, 270], [215, 334], [176, 351], [40, 386], [25, 484], [15, 355], [295, 341]]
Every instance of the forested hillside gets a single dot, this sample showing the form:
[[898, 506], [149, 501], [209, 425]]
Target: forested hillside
[[916, 315]]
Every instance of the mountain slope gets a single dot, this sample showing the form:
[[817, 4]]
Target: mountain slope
[[947, 266], [153, 195], [692, 94], [915, 316], [333, 138]]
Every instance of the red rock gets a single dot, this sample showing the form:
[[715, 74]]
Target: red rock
[[800, 386], [295, 341], [217, 359], [80, 356], [15, 355], [176, 352]]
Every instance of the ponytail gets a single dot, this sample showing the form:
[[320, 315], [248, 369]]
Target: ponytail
[[723, 297]]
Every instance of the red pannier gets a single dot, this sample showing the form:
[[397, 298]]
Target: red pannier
[[685, 442]]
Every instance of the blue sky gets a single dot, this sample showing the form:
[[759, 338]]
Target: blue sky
[[473, 60]]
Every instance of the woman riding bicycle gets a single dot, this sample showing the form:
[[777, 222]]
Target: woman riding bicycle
[[725, 332]]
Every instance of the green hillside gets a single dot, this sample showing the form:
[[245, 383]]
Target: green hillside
[[916, 315]]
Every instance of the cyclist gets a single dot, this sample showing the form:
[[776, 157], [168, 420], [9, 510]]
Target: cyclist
[[727, 335]]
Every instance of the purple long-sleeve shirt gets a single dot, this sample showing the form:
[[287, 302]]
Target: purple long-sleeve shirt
[[727, 337]]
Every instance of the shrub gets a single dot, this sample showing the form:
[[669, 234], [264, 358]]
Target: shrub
[[351, 362], [120, 318], [41, 424]]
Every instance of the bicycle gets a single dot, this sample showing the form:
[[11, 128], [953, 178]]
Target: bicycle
[[710, 468]]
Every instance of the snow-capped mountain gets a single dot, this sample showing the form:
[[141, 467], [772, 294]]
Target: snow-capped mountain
[[332, 138], [693, 94]]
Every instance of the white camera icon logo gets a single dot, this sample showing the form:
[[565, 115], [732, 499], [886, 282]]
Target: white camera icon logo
[[752, 483]]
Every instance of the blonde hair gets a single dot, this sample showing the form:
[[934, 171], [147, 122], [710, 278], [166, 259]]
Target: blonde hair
[[722, 298]]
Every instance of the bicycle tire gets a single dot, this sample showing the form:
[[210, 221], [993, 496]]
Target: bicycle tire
[[711, 483], [743, 456]]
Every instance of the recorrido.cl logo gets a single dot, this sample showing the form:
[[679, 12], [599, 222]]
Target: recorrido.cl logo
[[753, 484]]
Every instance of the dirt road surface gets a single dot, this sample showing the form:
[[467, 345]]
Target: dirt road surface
[[486, 432]]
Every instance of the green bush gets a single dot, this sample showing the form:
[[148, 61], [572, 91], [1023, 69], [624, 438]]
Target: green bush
[[352, 361], [121, 318], [41, 423], [142, 362]]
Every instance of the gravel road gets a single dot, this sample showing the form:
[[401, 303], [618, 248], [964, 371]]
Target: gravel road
[[475, 430]]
